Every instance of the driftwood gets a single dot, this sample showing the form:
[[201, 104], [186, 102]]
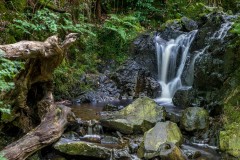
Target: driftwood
[[32, 99], [49, 131], [35, 82]]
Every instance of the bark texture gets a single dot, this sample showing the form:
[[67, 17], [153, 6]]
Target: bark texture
[[32, 100], [35, 82], [49, 131]]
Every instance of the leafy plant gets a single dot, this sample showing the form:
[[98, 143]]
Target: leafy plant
[[45, 23], [8, 69], [116, 34], [145, 9]]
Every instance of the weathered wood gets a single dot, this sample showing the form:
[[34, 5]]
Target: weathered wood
[[35, 82], [49, 131], [32, 99]]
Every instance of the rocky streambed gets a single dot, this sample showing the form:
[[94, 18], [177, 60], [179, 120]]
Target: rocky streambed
[[140, 130]]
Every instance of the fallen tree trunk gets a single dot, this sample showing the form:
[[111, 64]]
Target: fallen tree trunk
[[49, 131], [32, 100]]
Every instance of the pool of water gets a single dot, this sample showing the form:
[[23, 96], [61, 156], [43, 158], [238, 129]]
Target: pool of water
[[89, 111]]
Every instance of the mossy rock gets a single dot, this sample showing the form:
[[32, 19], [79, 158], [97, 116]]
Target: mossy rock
[[230, 139], [161, 133], [82, 148], [137, 117], [194, 118]]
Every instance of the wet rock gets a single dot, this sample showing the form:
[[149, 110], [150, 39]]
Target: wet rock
[[192, 154], [71, 135], [103, 89], [184, 98], [189, 24], [109, 140], [137, 117], [230, 140], [169, 151], [173, 116], [133, 147], [110, 107], [91, 138], [82, 148], [134, 79], [194, 118], [121, 154], [161, 133]]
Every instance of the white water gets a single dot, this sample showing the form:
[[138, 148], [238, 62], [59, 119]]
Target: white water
[[222, 32], [190, 75], [169, 54]]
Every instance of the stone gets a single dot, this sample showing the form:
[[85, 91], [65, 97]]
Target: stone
[[162, 132], [194, 118], [229, 140], [137, 117], [183, 98], [189, 24], [169, 151], [82, 148]]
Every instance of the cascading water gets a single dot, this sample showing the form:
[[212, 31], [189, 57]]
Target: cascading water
[[171, 59], [222, 32]]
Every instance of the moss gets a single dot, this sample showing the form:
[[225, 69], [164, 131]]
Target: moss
[[197, 10], [82, 148], [230, 139]]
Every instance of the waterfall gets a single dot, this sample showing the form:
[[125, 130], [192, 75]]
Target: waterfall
[[171, 60], [190, 76], [222, 32]]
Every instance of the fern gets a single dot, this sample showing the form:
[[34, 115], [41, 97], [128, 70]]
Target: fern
[[45, 23], [123, 26]]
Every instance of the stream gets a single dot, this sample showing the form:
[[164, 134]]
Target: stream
[[92, 111]]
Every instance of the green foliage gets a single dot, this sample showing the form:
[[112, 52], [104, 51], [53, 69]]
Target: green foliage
[[144, 10], [45, 23], [236, 28], [116, 34], [2, 157], [8, 69]]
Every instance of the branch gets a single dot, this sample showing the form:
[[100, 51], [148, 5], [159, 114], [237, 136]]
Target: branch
[[49, 131], [34, 49]]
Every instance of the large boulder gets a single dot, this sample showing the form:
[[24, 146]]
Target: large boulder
[[194, 118], [82, 148], [162, 132], [184, 98], [137, 117], [96, 150]]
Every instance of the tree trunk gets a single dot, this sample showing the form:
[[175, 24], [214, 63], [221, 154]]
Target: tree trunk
[[98, 10], [32, 100]]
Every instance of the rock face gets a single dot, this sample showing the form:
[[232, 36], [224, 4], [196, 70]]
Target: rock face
[[105, 89], [161, 133], [194, 118], [137, 117], [135, 80]]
